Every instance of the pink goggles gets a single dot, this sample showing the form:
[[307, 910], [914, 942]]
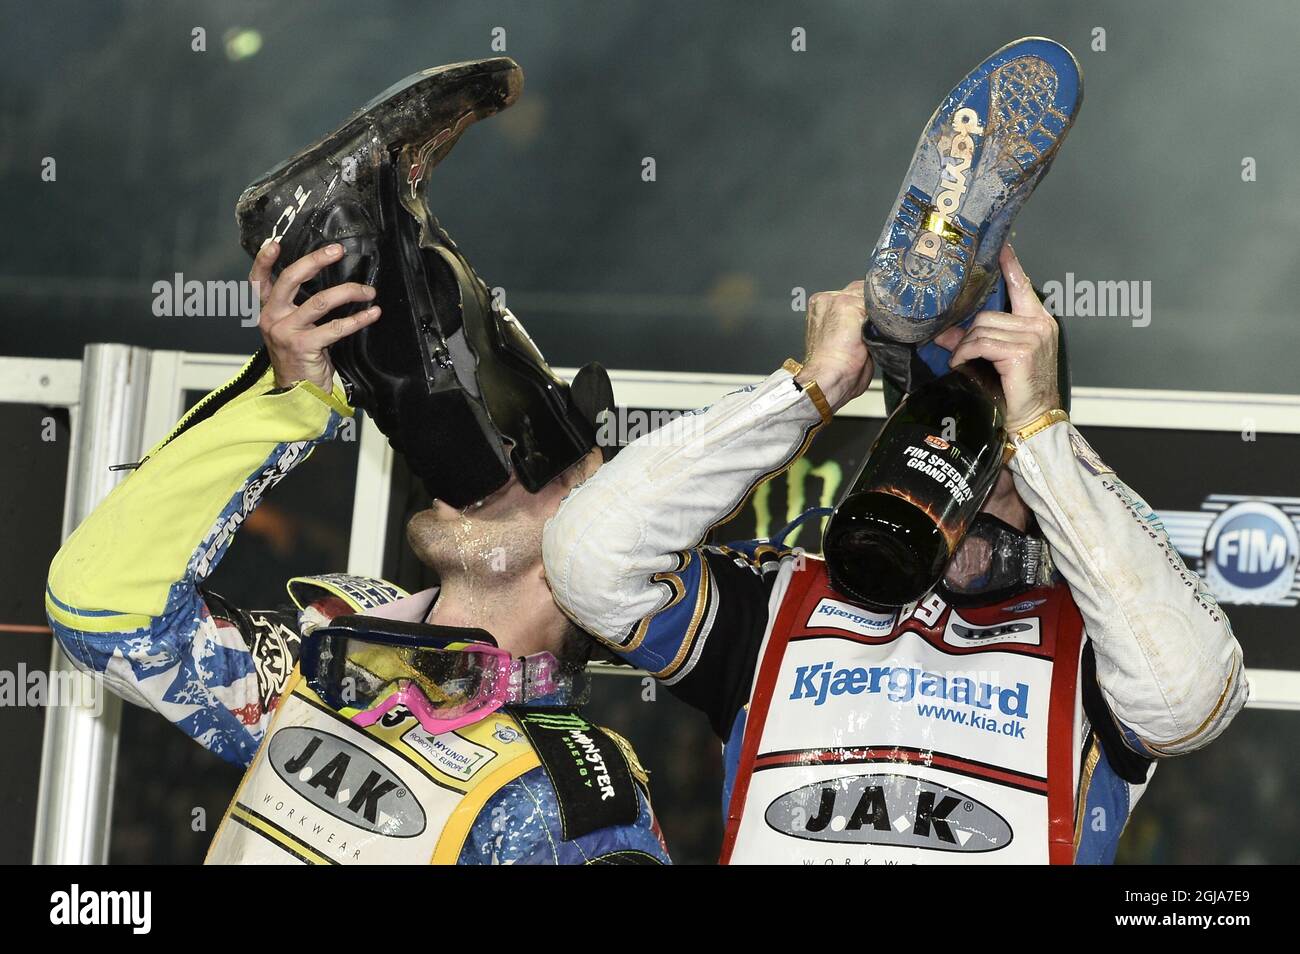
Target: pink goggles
[[479, 680]]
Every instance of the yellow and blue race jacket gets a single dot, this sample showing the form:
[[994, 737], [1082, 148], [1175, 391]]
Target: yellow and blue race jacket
[[126, 598]]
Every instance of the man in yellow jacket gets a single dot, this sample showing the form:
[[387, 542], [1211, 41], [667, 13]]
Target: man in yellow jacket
[[377, 726]]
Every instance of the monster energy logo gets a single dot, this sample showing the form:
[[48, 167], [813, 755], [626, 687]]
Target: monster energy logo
[[831, 476], [557, 720]]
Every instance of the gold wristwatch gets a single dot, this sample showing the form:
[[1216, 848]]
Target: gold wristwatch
[[1040, 423]]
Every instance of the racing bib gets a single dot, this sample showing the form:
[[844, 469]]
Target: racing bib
[[934, 735], [322, 790]]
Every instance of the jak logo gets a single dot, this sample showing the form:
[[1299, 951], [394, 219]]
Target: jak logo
[[348, 783], [892, 810]]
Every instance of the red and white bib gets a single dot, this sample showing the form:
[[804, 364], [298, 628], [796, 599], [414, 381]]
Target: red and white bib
[[935, 735]]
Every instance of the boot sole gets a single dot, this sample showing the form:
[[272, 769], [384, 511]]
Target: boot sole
[[936, 260]]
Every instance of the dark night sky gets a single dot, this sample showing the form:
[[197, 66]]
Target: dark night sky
[[775, 168]]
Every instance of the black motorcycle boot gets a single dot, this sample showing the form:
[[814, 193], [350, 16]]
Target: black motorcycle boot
[[329, 192]]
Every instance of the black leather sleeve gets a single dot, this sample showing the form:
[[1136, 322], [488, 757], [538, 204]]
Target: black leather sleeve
[[718, 684]]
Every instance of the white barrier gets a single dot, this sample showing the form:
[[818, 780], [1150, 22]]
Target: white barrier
[[122, 400]]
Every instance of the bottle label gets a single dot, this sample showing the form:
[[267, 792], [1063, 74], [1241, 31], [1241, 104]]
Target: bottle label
[[929, 458], [930, 472]]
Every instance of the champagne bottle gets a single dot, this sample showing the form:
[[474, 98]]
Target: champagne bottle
[[925, 478]]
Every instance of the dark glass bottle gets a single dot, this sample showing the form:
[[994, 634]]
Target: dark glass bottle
[[924, 479]]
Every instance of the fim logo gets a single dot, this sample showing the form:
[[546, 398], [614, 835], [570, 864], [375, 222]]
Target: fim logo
[[892, 810], [345, 781], [1246, 547]]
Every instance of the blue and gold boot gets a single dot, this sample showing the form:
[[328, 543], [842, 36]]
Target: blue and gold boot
[[985, 149]]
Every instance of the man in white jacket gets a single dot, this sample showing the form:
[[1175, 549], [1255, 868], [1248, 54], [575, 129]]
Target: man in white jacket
[[1017, 727]]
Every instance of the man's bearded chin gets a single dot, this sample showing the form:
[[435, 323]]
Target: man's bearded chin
[[473, 545]]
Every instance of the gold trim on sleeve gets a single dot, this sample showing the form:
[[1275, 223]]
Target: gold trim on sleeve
[[1162, 749], [1040, 423], [823, 406], [812, 389]]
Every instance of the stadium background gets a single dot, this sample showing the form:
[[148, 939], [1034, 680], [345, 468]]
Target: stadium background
[[774, 170]]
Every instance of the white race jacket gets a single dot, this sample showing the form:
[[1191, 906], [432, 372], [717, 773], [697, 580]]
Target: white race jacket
[[1160, 672]]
